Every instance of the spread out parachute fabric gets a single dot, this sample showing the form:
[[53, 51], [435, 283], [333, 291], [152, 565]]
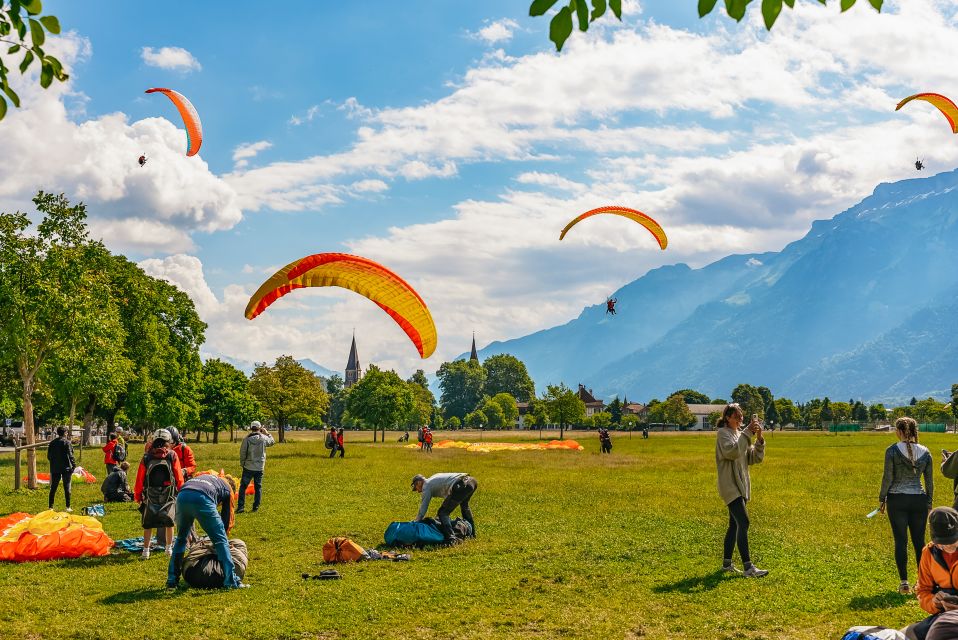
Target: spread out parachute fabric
[[367, 278], [191, 119], [486, 447], [625, 212], [79, 473], [943, 104], [51, 535]]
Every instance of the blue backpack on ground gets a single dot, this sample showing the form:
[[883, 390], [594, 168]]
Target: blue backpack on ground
[[872, 633], [412, 533]]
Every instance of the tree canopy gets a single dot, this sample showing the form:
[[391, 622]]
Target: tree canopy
[[507, 374], [289, 393], [462, 383]]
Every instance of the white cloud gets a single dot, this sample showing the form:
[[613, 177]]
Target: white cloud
[[308, 116], [173, 58], [243, 153], [498, 31]]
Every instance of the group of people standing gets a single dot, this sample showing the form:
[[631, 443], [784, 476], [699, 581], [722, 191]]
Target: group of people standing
[[334, 442], [425, 439]]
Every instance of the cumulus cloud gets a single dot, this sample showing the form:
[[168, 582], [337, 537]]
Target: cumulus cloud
[[173, 58], [243, 153], [497, 31]]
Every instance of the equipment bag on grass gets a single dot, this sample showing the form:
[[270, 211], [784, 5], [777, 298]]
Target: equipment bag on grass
[[412, 533], [201, 567], [330, 441], [159, 494], [873, 633], [342, 550]]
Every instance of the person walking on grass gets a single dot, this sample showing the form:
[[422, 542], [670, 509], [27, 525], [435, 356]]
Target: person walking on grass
[[108, 450], [937, 586], [332, 442], [735, 450], [456, 489], [158, 478], [253, 461], [339, 443], [62, 464], [902, 495]]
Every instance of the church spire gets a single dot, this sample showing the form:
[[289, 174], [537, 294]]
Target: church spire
[[353, 369], [474, 355]]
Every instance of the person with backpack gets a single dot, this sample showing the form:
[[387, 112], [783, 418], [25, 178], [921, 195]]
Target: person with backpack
[[936, 588], [115, 487], [605, 440], [427, 438], [113, 453], [253, 461], [456, 489], [62, 464], [332, 442], [421, 438], [735, 451], [184, 453], [339, 443], [197, 501], [158, 478], [902, 496]]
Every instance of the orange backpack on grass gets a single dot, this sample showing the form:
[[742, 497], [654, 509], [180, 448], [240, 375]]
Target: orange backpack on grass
[[342, 550]]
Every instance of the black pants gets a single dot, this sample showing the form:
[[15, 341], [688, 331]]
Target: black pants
[[908, 514], [606, 446], [342, 451], [737, 531], [459, 496], [332, 452], [55, 477]]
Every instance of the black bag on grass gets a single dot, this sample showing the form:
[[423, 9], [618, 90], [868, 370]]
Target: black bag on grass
[[202, 569]]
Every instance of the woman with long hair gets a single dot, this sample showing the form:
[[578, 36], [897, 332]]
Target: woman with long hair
[[735, 450], [903, 497]]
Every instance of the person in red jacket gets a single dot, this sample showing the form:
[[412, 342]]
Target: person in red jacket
[[339, 441], [108, 458], [184, 453], [160, 451]]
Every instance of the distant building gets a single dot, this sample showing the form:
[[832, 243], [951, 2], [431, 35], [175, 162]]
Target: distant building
[[636, 409], [354, 371], [592, 406], [523, 408], [702, 412], [474, 355]]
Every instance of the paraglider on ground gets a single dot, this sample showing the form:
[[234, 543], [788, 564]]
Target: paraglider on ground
[[51, 535], [487, 447]]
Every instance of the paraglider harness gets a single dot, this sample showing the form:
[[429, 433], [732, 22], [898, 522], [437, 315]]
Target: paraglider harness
[[159, 492], [330, 440], [610, 305], [119, 452], [919, 165], [142, 160]]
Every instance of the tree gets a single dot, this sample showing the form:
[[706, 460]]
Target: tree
[[475, 420], [561, 26], [859, 412], [509, 406], [564, 406], [334, 384], [629, 421], [719, 401], [289, 392], [615, 411], [453, 424], [768, 401], [751, 401], [692, 397], [826, 414], [602, 419], [18, 20], [673, 411], [494, 416], [841, 411], [713, 418], [913, 401], [954, 401], [877, 412], [462, 383], [508, 374], [787, 412], [420, 378], [225, 399], [50, 281], [423, 403], [382, 400]]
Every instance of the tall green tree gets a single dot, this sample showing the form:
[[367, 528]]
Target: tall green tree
[[787, 412], [225, 398], [751, 401], [461, 383], [382, 400], [859, 412], [419, 378], [954, 400], [564, 406], [877, 412], [289, 392], [423, 402], [692, 397], [826, 414], [49, 282], [508, 374], [501, 411], [673, 411], [615, 410]]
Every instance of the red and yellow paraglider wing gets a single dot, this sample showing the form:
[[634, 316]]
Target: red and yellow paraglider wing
[[367, 278], [50, 535], [191, 119], [943, 104], [636, 216]]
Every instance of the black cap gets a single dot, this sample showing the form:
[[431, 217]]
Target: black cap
[[944, 525]]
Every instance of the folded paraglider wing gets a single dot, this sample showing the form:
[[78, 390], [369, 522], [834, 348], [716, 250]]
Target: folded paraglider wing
[[51, 535], [636, 216]]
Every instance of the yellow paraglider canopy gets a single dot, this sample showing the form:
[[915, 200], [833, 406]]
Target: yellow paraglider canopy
[[636, 216], [946, 106]]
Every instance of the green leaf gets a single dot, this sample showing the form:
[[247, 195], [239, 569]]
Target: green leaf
[[770, 11], [736, 8], [582, 12], [561, 27], [57, 68], [46, 75], [36, 33], [616, 6], [4, 28], [51, 24], [33, 7], [14, 98], [21, 28], [790, 3], [27, 59], [877, 4], [847, 4], [3, 107], [538, 7], [13, 49], [598, 8], [705, 7]]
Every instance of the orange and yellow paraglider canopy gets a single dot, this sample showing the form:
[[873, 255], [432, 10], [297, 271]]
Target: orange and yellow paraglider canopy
[[367, 278], [636, 216], [946, 106], [51, 535], [191, 119]]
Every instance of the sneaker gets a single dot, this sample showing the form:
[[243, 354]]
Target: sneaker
[[68, 510], [255, 509], [240, 510], [241, 585], [755, 572], [169, 551], [145, 555], [732, 569], [904, 588]]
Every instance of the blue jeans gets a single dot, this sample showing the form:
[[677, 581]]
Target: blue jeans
[[194, 506], [257, 478]]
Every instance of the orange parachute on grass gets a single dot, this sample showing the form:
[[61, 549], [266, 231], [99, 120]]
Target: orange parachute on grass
[[191, 120], [51, 535], [367, 278], [943, 104], [487, 447], [632, 214]]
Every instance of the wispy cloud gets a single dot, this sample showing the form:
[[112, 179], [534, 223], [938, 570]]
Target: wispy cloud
[[497, 31], [248, 150], [173, 58]]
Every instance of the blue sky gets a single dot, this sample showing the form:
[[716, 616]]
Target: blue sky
[[450, 142]]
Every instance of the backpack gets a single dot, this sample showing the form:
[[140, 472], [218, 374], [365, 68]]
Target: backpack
[[412, 533], [119, 453], [330, 440], [873, 633], [159, 491], [342, 550], [201, 567]]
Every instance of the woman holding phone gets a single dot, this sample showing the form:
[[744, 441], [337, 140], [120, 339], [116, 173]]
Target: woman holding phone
[[903, 497], [735, 450]]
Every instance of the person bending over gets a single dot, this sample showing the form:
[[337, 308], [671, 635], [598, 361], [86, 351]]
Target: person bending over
[[456, 489]]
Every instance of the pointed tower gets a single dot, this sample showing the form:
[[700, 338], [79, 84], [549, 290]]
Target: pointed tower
[[474, 355], [353, 370]]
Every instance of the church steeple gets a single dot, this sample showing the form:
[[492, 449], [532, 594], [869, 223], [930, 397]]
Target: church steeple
[[474, 355], [353, 370]]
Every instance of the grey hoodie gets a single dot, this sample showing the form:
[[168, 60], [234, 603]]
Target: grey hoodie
[[253, 451]]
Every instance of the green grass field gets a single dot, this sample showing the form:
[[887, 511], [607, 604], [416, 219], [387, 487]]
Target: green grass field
[[569, 545]]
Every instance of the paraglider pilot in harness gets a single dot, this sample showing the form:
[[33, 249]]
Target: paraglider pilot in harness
[[142, 160], [610, 305], [919, 165]]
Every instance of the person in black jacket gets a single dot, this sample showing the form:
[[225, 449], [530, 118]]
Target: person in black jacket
[[62, 464]]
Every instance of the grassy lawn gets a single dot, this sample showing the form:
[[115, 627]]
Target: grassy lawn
[[570, 545]]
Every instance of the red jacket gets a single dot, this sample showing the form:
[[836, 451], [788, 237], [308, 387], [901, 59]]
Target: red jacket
[[339, 439], [187, 461], [141, 471], [108, 452]]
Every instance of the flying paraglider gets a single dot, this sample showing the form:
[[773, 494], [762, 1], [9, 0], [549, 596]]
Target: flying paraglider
[[142, 160], [367, 278], [191, 119], [919, 165], [943, 104], [610, 306], [636, 216]]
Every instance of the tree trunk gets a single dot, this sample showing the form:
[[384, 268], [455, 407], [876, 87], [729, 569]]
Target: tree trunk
[[561, 431], [232, 432], [88, 419], [29, 431], [216, 432], [282, 429], [73, 414]]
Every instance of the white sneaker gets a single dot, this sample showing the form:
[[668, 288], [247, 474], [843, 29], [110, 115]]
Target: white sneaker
[[755, 572], [732, 569], [169, 551], [146, 554], [68, 510]]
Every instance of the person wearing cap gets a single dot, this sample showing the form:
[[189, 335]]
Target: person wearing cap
[[455, 488], [253, 461], [119, 437], [159, 450], [935, 570]]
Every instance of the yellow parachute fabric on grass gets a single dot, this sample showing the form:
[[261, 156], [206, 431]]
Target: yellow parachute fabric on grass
[[636, 216], [487, 447], [367, 278], [51, 535], [943, 104]]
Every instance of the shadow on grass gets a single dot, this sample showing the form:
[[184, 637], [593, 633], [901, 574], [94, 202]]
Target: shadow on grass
[[695, 584], [878, 601], [140, 595], [96, 561]]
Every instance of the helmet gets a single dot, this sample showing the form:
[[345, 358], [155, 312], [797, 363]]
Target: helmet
[[175, 435]]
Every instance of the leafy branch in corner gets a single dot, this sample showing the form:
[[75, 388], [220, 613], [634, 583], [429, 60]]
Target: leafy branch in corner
[[24, 29]]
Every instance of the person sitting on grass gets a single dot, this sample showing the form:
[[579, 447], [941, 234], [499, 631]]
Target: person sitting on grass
[[937, 590], [198, 500], [456, 489], [115, 487]]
